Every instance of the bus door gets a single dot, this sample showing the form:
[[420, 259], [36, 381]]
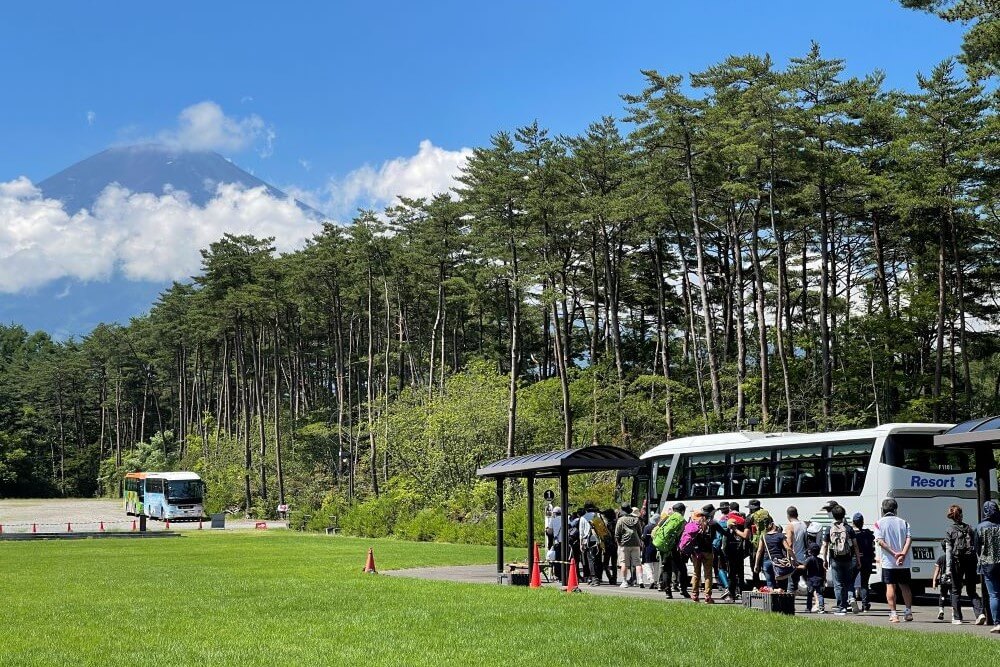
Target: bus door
[[661, 471], [632, 486]]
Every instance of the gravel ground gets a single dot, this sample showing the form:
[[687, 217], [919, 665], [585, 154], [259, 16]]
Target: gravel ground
[[85, 514]]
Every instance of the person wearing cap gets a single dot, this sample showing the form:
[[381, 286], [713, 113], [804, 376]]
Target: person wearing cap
[[628, 535], [844, 556], [759, 518], [671, 559], [866, 545], [736, 550], [719, 549]]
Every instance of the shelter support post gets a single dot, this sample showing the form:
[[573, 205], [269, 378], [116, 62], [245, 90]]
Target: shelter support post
[[531, 522], [564, 542], [984, 463], [499, 528]]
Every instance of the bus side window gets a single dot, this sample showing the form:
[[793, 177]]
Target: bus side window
[[848, 467], [674, 493]]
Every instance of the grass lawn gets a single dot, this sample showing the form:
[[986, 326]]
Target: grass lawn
[[277, 598]]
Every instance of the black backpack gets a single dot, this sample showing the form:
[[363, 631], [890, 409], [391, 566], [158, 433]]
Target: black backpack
[[961, 540]]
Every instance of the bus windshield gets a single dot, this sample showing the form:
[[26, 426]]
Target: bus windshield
[[187, 489], [917, 452]]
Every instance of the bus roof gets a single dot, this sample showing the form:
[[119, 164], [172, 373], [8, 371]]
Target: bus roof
[[172, 476], [755, 439]]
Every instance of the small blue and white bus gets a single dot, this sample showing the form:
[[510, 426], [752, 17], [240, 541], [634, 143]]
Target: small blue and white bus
[[168, 496]]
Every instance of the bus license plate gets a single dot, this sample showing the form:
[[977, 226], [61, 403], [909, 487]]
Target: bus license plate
[[923, 553]]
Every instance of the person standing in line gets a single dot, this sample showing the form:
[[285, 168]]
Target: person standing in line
[[795, 535], [841, 550], [892, 535], [815, 574], [987, 545], [866, 546], [941, 580], [650, 558], [963, 567], [609, 562], [736, 548], [697, 541], [773, 546], [628, 535], [757, 525], [671, 560], [588, 544]]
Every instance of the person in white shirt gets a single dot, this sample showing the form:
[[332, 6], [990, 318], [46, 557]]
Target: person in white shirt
[[892, 535]]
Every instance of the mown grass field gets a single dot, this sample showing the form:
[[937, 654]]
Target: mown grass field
[[280, 598]]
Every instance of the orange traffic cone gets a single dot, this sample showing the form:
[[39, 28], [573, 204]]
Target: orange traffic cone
[[536, 574], [572, 583], [166, 525], [370, 563]]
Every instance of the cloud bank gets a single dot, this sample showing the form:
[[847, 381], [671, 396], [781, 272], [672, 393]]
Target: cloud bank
[[431, 171], [142, 236]]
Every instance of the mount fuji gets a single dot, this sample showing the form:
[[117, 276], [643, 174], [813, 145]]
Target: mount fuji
[[69, 306]]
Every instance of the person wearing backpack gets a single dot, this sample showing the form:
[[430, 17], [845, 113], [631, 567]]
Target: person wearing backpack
[[696, 543], [601, 551], [758, 523], [666, 541], [963, 566], [736, 548], [866, 546], [840, 550]]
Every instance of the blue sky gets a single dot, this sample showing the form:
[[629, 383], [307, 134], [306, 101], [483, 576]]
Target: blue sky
[[341, 104], [341, 85]]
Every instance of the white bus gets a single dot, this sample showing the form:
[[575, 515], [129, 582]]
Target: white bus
[[168, 496], [856, 468]]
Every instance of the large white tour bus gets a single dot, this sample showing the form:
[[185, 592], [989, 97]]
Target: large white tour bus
[[857, 468]]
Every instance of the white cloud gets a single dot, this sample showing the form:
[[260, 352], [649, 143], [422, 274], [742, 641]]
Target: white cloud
[[431, 171], [143, 236], [205, 127], [91, 117]]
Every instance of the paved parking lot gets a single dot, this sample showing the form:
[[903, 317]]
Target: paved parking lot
[[86, 514]]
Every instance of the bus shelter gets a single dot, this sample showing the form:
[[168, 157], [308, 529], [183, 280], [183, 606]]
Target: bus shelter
[[983, 437], [558, 464]]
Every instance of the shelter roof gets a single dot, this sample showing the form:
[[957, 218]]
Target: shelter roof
[[983, 431], [564, 461]]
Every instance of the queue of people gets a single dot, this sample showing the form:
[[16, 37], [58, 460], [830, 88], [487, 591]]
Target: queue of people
[[628, 548]]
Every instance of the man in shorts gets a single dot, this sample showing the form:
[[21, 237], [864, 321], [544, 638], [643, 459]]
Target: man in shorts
[[892, 536], [628, 535]]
